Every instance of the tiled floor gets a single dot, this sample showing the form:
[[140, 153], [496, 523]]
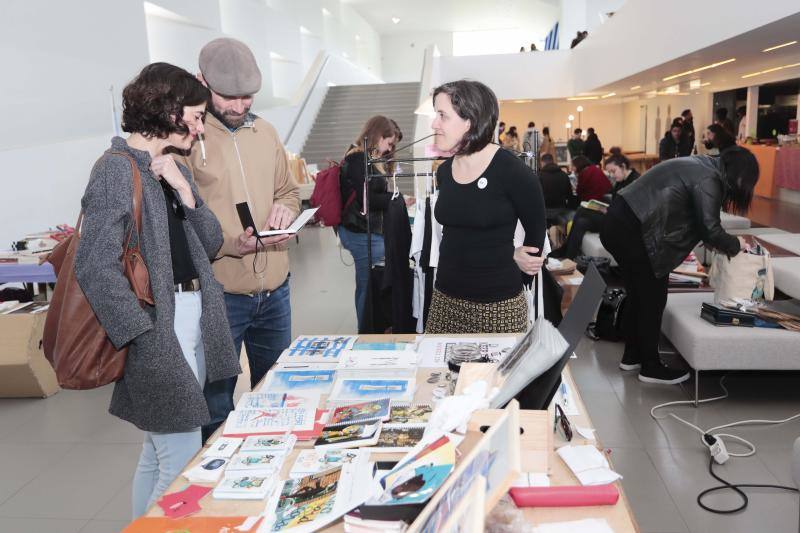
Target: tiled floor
[[67, 464]]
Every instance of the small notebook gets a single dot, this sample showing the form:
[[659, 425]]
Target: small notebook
[[360, 412], [244, 487], [269, 443], [255, 462], [348, 436], [296, 226]]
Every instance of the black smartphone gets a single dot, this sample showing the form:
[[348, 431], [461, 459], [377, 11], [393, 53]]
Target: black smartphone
[[245, 216]]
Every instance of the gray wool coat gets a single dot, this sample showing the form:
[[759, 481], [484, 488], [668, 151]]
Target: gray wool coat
[[158, 392]]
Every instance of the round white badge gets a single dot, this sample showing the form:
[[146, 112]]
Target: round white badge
[[482, 183]]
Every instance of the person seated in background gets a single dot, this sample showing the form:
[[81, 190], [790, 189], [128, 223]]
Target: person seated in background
[[619, 169], [717, 139], [722, 119], [592, 147], [511, 139], [592, 183], [670, 145], [557, 190], [533, 48], [653, 224], [501, 129], [576, 145]]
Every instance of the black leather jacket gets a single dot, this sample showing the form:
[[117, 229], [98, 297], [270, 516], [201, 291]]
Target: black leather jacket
[[678, 203]]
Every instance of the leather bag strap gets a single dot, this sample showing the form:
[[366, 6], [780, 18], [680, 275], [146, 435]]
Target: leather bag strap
[[137, 197]]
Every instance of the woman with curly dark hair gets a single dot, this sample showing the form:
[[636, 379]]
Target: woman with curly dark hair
[[183, 340]]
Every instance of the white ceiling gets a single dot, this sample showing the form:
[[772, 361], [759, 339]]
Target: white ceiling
[[457, 15], [746, 48]]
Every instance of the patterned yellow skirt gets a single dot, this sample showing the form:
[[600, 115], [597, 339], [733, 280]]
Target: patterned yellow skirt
[[450, 315]]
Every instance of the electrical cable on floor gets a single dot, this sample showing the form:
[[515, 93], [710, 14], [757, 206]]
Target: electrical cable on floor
[[714, 443], [734, 487]]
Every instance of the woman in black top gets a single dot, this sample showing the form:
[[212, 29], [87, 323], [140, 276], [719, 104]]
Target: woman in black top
[[650, 228], [619, 169], [382, 134], [483, 192]]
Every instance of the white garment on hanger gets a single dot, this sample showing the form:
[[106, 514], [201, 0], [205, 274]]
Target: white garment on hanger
[[519, 239]]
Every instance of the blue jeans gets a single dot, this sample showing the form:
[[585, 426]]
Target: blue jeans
[[356, 244], [164, 455], [263, 321]]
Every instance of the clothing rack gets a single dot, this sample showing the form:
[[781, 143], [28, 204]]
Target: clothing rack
[[368, 175]]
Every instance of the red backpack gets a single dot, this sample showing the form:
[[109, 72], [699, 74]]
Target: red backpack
[[327, 196]]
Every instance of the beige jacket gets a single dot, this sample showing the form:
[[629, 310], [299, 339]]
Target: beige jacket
[[247, 165]]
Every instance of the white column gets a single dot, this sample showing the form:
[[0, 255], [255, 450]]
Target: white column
[[752, 111]]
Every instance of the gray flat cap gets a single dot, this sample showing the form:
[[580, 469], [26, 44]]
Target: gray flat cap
[[230, 68]]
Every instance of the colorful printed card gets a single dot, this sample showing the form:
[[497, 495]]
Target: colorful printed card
[[417, 477], [418, 413], [377, 360], [317, 349], [401, 390], [267, 443], [260, 421], [267, 400], [255, 462], [306, 500], [313, 461], [300, 380], [398, 438], [360, 412]]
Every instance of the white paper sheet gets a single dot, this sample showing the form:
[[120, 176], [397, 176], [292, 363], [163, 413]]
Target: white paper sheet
[[588, 464]]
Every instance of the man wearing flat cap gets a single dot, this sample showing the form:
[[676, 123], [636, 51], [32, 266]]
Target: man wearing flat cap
[[241, 159]]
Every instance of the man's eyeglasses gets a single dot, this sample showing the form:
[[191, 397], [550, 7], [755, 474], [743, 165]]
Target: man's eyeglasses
[[562, 425]]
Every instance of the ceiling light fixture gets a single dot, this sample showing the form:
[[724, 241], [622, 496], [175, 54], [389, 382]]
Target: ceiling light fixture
[[395, 20], [700, 69], [325, 11], [521, 101], [771, 48], [770, 70], [636, 87], [609, 95], [304, 30], [583, 98], [358, 37]]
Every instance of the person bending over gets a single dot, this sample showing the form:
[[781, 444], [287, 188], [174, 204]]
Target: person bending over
[[650, 228]]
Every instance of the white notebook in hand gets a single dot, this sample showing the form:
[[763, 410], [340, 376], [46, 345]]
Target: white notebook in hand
[[296, 226]]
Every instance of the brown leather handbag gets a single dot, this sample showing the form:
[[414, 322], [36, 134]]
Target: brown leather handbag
[[74, 341]]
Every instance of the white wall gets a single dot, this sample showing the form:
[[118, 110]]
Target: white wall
[[538, 75], [674, 29], [61, 58], [403, 54]]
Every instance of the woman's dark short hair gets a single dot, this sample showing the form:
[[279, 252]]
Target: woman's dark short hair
[[155, 96], [740, 172], [580, 162], [722, 137], [473, 101], [545, 131], [531, 124]]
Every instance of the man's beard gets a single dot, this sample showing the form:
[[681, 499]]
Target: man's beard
[[228, 118]]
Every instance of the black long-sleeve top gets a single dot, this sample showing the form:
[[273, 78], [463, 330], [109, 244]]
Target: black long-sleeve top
[[476, 255], [351, 184]]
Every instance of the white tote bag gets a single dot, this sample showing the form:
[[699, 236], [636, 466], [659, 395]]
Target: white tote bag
[[746, 276]]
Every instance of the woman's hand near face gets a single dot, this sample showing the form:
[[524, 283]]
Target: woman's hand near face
[[164, 167], [528, 263]]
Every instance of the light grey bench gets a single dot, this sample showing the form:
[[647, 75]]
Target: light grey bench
[[708, 347]]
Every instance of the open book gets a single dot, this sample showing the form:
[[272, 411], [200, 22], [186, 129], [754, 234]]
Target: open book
[[296, 226]]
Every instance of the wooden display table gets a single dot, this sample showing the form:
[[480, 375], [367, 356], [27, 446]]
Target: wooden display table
[[538, 455], [765, 155]]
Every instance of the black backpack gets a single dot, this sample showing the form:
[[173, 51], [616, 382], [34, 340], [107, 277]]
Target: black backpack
[[608, 326]]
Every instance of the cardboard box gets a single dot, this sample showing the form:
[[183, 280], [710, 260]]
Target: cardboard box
[[24, 371]]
